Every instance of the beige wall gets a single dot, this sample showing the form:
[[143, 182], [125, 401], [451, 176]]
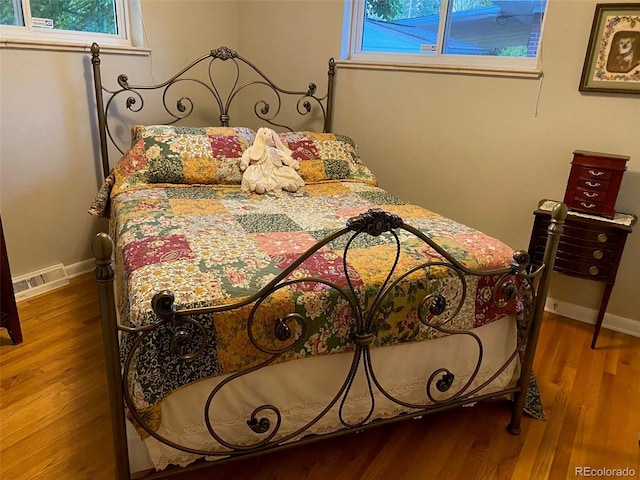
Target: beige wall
[[49, 170], [435, 139], [443, 140]]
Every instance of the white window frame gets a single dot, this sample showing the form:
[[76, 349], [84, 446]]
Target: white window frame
[[27, 34], [353, 27]]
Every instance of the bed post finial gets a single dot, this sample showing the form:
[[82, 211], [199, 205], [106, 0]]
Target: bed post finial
[[332, 67], [102, 251], [223, 53], [375, 222], [558, 214]]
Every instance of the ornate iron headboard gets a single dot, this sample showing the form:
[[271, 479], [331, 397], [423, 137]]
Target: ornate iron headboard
[[134, 95]]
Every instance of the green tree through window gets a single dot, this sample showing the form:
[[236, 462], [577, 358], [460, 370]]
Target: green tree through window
[[97, 16], [391, 10]]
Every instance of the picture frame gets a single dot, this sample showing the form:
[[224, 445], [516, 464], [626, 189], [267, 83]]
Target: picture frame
[[612, 61]]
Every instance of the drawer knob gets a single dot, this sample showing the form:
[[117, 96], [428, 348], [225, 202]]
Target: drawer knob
[[596, 174], [590, 194], [593, 270], [598, 254], [593, 184], [587, 205], [602, 237]]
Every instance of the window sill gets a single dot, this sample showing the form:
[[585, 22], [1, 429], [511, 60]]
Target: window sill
[[448, 69], [25, 44]]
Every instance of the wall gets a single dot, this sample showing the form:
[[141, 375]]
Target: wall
[[435, 139], [50, 169], [442, 140]]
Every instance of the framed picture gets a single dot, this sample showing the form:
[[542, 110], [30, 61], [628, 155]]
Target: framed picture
[[612, 63]]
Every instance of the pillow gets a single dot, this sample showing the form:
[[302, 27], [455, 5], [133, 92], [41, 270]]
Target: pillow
[[326, 156], [208, 155]]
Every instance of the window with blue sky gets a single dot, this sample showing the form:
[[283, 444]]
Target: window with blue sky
[[473, 32]]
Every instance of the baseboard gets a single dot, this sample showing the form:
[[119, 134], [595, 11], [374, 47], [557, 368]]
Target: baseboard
[[589, 315], [80, 268], [47, 279]]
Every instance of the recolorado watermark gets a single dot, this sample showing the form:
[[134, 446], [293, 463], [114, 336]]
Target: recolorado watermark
[[604, 472]]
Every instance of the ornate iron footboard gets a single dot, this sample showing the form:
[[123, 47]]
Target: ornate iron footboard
[[435, 310]]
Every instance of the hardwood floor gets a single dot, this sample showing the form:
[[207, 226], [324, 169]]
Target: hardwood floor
[[54, 418]]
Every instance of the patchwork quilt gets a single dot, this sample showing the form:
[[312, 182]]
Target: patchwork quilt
[[212, 244]]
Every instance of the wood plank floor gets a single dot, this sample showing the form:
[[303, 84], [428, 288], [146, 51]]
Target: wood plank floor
[[54, 418]]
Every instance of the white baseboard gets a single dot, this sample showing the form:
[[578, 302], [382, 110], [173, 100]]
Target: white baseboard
[[80, 268], [47, 279], [589, 315]]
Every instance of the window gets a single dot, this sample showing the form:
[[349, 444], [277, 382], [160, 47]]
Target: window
[[65, 21], [462, 33]]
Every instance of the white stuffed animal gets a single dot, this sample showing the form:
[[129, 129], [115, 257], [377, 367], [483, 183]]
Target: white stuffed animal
[[267, 165]]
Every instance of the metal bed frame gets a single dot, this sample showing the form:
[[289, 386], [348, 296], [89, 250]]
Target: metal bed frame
[[436, 311]]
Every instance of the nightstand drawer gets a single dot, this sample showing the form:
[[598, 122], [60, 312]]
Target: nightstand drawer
[[591, 195], [575, 247], [588, 253], [594, 173], [596, 272], [594, 182], [587, 262], [587, 206], [582, 262], [592, 185], [578, 234]]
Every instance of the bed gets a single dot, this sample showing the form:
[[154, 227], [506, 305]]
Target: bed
[[236, 324]]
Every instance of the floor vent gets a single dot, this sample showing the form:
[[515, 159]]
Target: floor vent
[[35, 283]]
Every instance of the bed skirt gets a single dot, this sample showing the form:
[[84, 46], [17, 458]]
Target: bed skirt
[[301, 389]]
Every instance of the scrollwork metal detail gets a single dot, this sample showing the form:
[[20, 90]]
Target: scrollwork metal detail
[[163, 304], [224, 53], [520, 261], [437, 304], [259, 426], [364, 339], [180, 104], [445, 381], [262, 424], [183, 344], [123, 81], [282, 330], [374, 222]]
